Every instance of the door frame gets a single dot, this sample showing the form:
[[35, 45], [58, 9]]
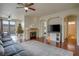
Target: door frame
[[67, 27]]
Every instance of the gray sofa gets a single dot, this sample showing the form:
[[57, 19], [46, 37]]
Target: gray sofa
[[9, 48]]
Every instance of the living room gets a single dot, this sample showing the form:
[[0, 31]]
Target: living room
[[36, 24]]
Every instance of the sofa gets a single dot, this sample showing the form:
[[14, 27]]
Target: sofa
[[10, 48]]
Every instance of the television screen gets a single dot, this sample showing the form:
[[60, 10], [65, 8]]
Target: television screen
[[54, 28]]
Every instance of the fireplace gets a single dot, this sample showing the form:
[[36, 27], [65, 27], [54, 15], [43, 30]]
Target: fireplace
[[33, 33]]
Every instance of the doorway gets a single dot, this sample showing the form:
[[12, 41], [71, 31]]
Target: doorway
[[70, 31]]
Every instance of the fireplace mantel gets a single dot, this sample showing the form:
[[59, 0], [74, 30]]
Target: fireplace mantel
[[33, 29]]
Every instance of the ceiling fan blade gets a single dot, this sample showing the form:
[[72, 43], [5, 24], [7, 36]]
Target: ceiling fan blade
[[20, 4], [32, 8], [29, 4], [19, 7]]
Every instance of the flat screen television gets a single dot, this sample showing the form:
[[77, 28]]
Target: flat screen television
[[54, 28]]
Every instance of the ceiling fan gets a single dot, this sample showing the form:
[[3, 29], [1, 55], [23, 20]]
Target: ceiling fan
[[26, 6]]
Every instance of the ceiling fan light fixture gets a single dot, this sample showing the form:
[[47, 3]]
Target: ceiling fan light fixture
[[26, 8]]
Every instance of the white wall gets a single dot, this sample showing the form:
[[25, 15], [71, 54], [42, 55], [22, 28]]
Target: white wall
[[63, 14]]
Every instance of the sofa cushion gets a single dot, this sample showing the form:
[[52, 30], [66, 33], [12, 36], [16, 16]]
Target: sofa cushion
[[1, 50], [6, 39], [6, 35], [8, 43], [1, 43], [12, 49]]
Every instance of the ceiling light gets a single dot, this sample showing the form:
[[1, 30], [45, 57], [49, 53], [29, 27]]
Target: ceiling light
[[26, 8]]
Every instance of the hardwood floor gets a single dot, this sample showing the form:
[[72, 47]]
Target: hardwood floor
[[71, 47], [67, 46]]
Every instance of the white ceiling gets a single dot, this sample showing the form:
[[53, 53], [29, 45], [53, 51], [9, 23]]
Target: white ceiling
[[41, 9]]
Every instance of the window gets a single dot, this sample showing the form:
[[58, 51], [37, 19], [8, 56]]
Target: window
[[5, 22], [6, 27], [12, 22]]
